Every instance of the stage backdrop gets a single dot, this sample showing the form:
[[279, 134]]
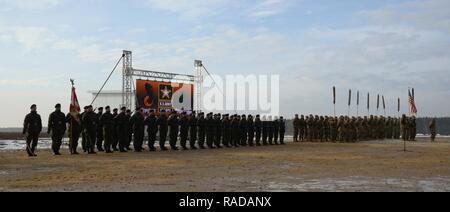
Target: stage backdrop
[[164, 96]]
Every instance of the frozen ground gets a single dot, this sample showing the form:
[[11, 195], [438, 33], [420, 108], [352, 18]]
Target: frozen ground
[[368, 166]]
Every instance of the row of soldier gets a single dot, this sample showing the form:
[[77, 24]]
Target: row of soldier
[[351, 129], [111, 131]]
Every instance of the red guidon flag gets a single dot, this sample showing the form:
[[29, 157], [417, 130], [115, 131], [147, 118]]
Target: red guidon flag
[[74, 105]]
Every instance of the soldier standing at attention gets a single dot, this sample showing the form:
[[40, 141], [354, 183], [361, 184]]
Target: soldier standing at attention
[[235, 131], [218, 131], [57, 128], [184, 130], [210, 130], [433, 131], [270, 130], [32, 127], [264, 131], [152, 130], [282, 129], [201, 123], [122, 126], [107, 122], [100, 135], [115, 134], [257, 127], [226, 131], [192, 121], [163, 128], [243, 130], [129, 131], [404, 127], [309, 126], [83, 133], [251, 130], [174, 124], [276, 130], [137, 122], [296, 125], [302, 130], [413, 128], [90, 128], [74, 132]]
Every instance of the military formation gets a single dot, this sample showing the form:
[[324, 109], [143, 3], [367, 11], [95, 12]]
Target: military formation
[[113, 131], [346, 129]]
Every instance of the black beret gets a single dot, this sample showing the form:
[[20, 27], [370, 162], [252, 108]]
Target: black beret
[[123, 108], [33, 106], [58, 105], [100, 108], [107, 107], [115, 109]]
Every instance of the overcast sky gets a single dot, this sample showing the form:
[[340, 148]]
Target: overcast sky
[[377, 46]]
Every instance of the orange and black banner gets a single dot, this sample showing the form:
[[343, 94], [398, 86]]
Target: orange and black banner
[[164, 96]]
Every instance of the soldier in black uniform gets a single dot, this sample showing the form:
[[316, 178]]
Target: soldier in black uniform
[[184, 130], [218, 131], [210, 130], [258, 128], [276, 130], [129, 131], [83, 133], [243, 130], [201, 123], [74, 131], [115, 135], [270, 131], [174, 124], [192, 122], [265, 129], [163, 128], [152, 130], [138, 126], [250, 130], [90, 128], [107, 122], [282, 128], [100, 135], [226, 131], [122, 125], [57, 128], [32, 127], [235, 131]]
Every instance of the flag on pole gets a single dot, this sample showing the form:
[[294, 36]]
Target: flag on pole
[[74, 105], [412, 103], [349, 97], [357, 99], [334, 95], [378, 102]]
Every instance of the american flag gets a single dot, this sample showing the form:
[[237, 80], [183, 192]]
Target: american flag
[[74, 105], [412, 103]]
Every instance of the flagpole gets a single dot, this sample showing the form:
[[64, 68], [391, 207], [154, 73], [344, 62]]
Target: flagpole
[[357, 105], [334, 100], [71, 121]]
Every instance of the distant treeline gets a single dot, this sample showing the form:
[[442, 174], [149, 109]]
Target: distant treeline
[[443, 125]]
